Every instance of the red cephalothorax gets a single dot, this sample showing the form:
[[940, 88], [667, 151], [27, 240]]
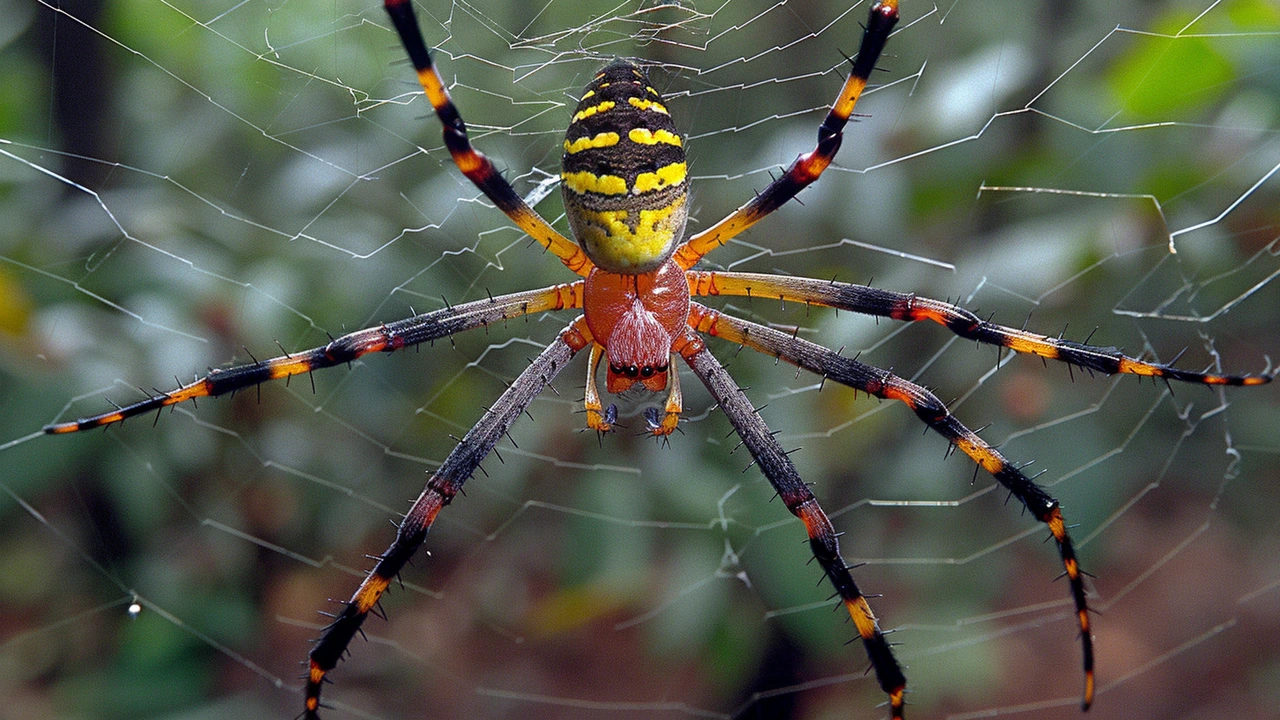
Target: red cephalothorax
[[636, 318]]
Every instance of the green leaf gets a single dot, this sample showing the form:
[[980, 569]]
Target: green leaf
[[1165, 76]]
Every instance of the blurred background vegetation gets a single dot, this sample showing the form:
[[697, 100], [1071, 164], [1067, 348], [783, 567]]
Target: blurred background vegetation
[[183, 184]]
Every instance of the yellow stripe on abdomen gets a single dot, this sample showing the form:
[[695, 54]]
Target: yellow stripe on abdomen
[[651, 105], [603, 140], [672, 174], [645, 136], [587, 112], [586, 182]]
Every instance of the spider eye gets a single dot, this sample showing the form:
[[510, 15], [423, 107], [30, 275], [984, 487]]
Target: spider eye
[[617, 369], [632, 371], [661, 368], [646, 371]]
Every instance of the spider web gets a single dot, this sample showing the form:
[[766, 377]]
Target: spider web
[[191, 184]]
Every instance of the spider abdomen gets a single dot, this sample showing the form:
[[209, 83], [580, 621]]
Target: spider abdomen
[[623, 175]]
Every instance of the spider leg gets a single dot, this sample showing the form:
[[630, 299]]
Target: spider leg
[[478, 168], [808, 167], [439, 491], [911, 308], [382, 338], [781, 473], [671, 412], [597, 419], [931, 411]]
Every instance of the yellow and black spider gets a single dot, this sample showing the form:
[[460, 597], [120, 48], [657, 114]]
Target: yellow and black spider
[[625, 185]]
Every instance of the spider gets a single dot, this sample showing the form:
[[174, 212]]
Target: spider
[[625, 188]]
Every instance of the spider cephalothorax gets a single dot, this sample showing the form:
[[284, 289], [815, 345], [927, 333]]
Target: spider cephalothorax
[[625, 190], [637, 318]]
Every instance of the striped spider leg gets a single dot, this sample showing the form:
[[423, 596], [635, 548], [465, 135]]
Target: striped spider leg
[[440, 490], [446, 482], [807, 168], [885, 385], [798, 498], [387, 337], [913, 308], [478, 168]]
